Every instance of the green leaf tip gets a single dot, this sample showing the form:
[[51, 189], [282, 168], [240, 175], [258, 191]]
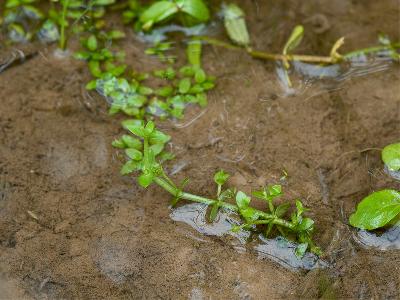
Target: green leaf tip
[[391, 156]]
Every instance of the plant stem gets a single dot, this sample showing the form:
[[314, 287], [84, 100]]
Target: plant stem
[[187, 196], [63, 20], [299, 57]]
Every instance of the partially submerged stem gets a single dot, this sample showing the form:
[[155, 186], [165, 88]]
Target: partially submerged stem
[[190, 197], [292, 57], [63, 25], [299, 57]]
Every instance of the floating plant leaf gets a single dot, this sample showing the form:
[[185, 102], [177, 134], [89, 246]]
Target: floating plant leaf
[[376, 210], [391, 156], [235, 24]]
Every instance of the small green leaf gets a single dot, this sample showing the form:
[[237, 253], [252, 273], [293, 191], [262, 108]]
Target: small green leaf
[[145, 179], [242, 200], [150, 126], [275, 190], [376, 210], [157, 148], [294, 39], [129, 167], [94, 67], [135, 126], [131, 142], [200, 76], [184, 85], [391, 156], [158, 137], [195, 8], [91, 43], [144, 90], [165, 91], [116, 34], [214, 212], [118, 144], [306, 224], [221, 177], [300, 208], [260, 195], [301, 250], [157, 12], [134, 154], [193, 53], [282, 209], [91, 85], [235, 25]]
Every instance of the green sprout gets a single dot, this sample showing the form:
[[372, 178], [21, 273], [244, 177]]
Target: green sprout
[[147, 157]]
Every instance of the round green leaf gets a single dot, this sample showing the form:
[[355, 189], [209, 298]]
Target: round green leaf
[[184, 85], [391, 156], [145, 179], [376, 210], [134, 154], [91, 43], [242, 200]]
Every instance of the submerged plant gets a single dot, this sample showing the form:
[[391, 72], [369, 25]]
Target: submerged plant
[[21, 18], [144, 159], [382, 207]]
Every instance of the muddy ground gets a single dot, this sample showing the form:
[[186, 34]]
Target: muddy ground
[[72, 228]]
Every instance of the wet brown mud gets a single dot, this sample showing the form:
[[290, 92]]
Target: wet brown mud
[[72, 228]]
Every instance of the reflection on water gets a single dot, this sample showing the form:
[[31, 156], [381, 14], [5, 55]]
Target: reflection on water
[[303, 75], [282, 251], [388, 240], [194, 214], [393, 174], [161, 33], [278, 249]]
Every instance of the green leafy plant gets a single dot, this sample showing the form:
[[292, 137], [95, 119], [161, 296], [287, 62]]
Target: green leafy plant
[[143, 159], [382, 207]]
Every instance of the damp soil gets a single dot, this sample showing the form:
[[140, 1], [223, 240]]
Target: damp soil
[[72, 228]]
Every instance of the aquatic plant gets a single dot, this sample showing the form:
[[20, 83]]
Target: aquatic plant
[[382, 207], [21, 17], [146, 158]]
